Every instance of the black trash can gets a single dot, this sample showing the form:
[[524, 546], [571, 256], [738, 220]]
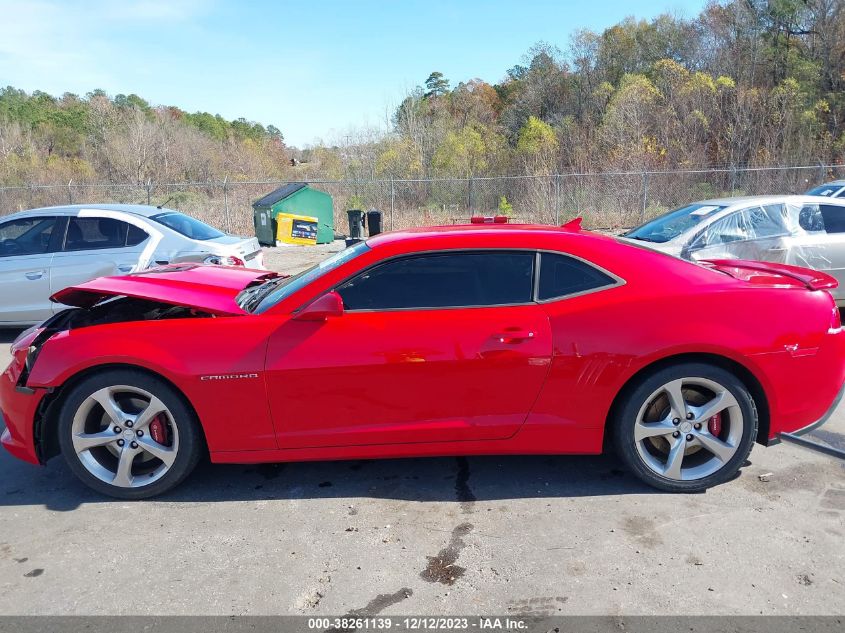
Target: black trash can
[[265, 229], [373, 222], [356, 224]]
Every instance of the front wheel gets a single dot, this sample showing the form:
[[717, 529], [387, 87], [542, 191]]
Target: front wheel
[[686, 428], [127, 434]]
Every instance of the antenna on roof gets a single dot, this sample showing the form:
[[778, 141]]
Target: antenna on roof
[[161, 206]]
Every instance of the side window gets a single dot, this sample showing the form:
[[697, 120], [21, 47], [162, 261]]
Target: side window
[[94, 233], [561, 275], [729, 229], [834, 218], [135, 235], [27, 236], [446, 280], [765, 221]]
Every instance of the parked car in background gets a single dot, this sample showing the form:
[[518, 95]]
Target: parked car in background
[[460, 340], [833, 189], [804, 231], [45, 250]]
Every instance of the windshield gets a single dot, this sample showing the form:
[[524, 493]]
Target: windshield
[[187, 226], [828, 191], [670, 225], [258, 299]]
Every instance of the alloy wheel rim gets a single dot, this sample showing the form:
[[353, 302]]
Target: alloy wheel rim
[[111, 436], [673, 431]]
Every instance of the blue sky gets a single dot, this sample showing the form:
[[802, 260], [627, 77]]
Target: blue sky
[[313, 68]]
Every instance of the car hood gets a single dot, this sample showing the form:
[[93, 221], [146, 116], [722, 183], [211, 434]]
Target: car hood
[[211, 289]]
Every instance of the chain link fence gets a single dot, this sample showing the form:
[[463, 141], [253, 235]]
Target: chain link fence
[[605, 200]]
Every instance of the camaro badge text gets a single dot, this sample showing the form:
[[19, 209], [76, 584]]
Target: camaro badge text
[[228, 376]]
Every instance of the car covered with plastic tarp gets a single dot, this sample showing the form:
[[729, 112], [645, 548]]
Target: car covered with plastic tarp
[[807, 231]]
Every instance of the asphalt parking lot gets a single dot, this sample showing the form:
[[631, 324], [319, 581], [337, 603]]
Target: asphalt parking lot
[[522, 535]]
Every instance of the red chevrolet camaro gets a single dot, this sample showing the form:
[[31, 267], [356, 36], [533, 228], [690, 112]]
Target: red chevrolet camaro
[[462, 340]]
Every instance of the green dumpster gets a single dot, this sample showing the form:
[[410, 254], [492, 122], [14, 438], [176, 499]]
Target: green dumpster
[[295, 198]]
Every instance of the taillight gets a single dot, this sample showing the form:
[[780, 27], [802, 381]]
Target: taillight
[[835, 319], [224, 260]]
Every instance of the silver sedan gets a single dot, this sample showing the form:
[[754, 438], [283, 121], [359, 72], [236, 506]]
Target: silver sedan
[[46, 250], [799, 230]]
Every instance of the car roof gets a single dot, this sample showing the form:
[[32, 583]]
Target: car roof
[[142, 210], [838, 183], [572, 240]]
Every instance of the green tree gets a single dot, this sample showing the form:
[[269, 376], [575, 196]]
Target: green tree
[[462, 153], [505, 207], [537, 145], [536, 137], [436, 85]]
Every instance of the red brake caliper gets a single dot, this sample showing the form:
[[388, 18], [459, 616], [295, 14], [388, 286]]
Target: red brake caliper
[[159, 430], [714, 425]]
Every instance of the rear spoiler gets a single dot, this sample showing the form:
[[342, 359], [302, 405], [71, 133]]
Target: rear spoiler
[[811, 279]]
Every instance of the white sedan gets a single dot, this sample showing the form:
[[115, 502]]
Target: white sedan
[[46, 250]]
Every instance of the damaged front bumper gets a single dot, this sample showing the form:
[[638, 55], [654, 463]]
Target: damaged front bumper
[[19, 404], [17, 415]]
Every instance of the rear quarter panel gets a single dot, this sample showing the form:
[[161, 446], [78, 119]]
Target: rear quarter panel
[[669, 308]]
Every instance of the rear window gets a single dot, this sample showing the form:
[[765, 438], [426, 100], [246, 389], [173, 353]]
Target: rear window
[[187, 226]]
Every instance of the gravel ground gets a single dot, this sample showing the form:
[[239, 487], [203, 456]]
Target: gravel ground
[[527, 535], [292, 259]]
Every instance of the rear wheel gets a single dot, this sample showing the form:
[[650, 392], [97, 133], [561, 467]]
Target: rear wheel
[[686, 428], [127, 434]]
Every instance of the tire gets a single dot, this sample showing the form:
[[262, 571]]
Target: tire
[[689, 450], [128, 434]]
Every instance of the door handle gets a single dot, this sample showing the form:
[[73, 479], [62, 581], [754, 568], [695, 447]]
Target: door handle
[[514, 335], [34, 275]]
